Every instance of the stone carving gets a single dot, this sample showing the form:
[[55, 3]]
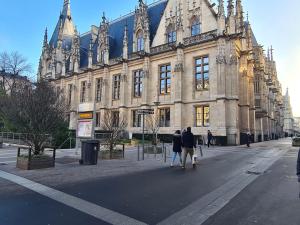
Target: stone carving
[[179, 67], [200, 38], [221, 59], [233, 60]]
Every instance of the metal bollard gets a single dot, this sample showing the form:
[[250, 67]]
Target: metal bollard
[[165, 154], [201, 152], [138, 153]]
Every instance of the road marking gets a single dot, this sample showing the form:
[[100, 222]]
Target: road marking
[[7, 162], [89, 208], [7, 157], [205, 207]]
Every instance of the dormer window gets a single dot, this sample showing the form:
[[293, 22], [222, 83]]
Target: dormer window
[[195, 26], [102, 53], [171, 34], [140, 41]]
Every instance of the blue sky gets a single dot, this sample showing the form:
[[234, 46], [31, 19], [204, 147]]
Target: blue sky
[[275, 22]]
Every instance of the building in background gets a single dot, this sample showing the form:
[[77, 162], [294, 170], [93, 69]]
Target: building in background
[[10, 82], [288, 116], [197, 65]]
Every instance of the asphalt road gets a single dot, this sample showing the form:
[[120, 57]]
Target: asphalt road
[[273, 199], [152, 196]]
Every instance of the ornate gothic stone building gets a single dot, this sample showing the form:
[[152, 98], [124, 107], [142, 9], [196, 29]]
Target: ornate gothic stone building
[[196, 63]]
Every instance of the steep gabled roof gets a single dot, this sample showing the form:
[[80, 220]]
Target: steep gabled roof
[[65, 22], [254, 40], [116, 33]]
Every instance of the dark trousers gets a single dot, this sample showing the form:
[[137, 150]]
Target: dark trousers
[[208, 142]]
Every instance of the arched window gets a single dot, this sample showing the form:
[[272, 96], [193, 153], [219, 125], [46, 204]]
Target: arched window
[[171, 34], [195, 26], [140, 41]]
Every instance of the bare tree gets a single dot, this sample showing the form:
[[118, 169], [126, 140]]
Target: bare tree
[[38, 112], [153, 125], [115, 125], [13, 69]]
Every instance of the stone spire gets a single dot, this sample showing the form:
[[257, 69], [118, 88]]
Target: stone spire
[[230, 23], [90, 54], [239, 16], [125, 43], [76, 51], [221, 9], [271, 51], [45, 43], [230, 8], [221, 18], [65, 26], [67, 8]]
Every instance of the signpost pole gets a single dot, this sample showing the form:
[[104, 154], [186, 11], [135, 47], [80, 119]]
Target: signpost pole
[[143, 136]]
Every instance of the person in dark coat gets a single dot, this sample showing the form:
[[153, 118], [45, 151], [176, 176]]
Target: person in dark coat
[[298, 166], [177, 144], [209, 138], [248, 139], [188, 143]]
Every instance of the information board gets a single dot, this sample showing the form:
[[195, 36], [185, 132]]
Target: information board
[[85, 129]]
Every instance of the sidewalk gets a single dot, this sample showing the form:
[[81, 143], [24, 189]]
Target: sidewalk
[[67, 168]]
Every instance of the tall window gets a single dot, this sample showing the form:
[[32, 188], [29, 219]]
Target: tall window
[[136, 119], [138, 83], [256, 85], [165, 79], [83, 91], [98, 119], [164, 117], [116, 86], [202, 116], [140, 41], [99, 84], [115, 118], [257, 103], [70, 87], [171, 34], [202, 73], [195, 26]]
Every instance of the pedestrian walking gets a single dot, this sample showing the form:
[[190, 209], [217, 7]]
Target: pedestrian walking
[[248, 139], [298, 170], [209, 138], [177, 147], [188, 143]]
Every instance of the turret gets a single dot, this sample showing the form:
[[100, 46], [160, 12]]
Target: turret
[[230, 23], [239, 18], [221, 18]]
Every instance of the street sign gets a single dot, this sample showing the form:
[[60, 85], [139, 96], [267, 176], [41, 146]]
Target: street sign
[[86, 115]]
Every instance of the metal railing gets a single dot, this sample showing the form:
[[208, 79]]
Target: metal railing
[[18, 138]]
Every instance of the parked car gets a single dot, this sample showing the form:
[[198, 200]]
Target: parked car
[[296, 142]]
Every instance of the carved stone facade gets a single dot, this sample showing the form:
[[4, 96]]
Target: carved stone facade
[[194, 64]]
